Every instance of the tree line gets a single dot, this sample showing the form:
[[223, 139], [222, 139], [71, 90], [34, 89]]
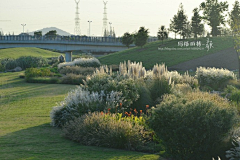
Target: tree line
[[211, 12]]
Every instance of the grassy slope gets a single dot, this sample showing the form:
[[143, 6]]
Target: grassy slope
[[18, 52], [25, 132], [150, 55]]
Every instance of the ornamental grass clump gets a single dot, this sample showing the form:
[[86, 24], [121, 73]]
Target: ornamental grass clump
[[132, 69], [72, 79], [234, 152], [214, 77], [193, 125], [173, 76], [77, 70], [103, 80], [106, 130], [81, 101], [82, 62]]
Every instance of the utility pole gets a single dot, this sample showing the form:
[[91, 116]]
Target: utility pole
[[89, 28], [77, 20], [110, 33], [105, 29], [23, 26]]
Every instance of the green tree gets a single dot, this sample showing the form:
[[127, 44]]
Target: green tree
[[179, 22], [187, 31], [140, 38], [38, 34], [127, 39], [234, 15], [162, 33], [236, 40], [173, 25], [51, 34], [197, 26], [213, 13], [182, 21]]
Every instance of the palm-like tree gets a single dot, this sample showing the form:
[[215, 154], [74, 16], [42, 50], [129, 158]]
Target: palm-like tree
[[162, 33]]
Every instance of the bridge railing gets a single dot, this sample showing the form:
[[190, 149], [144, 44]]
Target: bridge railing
[[66, 39], [62, 38]]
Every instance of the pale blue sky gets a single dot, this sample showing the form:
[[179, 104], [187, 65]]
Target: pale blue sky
[[125, 15]]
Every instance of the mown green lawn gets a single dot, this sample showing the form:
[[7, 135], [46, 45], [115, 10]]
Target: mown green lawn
[[25, 131], [18, 52], [150, 55]]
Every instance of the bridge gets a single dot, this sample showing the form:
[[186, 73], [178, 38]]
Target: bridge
[[66, 44]]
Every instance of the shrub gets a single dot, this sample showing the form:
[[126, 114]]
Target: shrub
[[10, 64], [82, 62], [37, 72], [118, 83], [61, 59], [234, 83], [48, 80], [77, 70], [2, 67], [54, 70], [29, 61], [81, 101], [72, 79], [234, 152], [144, 96], [194, 125], [25, 62], [182, 89], [53, 60], [104, 130], [158, 87], [214, 77]]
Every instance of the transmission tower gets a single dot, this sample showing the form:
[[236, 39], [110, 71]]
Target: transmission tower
[[77, 20], [105, 28]]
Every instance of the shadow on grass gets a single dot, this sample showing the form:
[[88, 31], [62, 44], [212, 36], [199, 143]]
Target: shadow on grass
[[46, 142], [15, 91]]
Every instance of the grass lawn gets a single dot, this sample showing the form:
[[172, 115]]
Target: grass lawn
[[25, 131], [18, 52], [150, 55]]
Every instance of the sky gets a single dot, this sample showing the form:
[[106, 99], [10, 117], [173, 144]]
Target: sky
[[125, 15]]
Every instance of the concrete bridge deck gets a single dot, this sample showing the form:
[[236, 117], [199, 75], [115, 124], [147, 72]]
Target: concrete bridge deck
[[66, 44]]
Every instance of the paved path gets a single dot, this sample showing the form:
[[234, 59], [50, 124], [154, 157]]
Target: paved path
[[223, 59]]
